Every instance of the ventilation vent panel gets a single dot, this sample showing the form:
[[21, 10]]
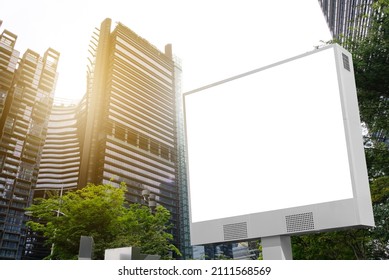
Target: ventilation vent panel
[[346, 62], [235, 231], [299, 222]]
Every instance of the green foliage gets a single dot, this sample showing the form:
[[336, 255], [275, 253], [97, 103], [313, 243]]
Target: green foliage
[[379, 235], [379, 242], [377, 160], [146, 230], [352, 244], [371, 67], [379, 189], [371, 64], [370, 54], [100, 211], [341, 245]]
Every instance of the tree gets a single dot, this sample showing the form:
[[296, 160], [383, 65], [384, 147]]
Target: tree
[[337, 245], [371, 67], [100, 211], [379, 235], [352, 244]]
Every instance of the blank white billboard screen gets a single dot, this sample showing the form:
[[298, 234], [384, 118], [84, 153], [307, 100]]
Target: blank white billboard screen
[[270, 140]]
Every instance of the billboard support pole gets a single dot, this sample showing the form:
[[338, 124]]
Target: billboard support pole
[[277, 247]]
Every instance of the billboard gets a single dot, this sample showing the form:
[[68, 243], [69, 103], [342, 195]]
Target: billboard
[[277, 151]]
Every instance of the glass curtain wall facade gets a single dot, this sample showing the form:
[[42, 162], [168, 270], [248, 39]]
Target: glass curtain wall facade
[[23, 128], [130, 124], [348, 18], [186, 248]]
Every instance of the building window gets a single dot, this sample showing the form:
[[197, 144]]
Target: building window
[[132, 138], [143, 143], [26, 171]]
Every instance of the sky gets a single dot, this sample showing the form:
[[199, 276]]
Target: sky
[[214, 39]]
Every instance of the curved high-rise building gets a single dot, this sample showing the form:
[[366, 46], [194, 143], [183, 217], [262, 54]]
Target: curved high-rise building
[[60, 162], [59, 165]]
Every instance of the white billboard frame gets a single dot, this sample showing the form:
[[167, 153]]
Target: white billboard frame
[[351, 208]]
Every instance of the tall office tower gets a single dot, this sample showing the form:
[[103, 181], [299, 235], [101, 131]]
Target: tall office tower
[[130, 126], [347, 19], [23, 126]]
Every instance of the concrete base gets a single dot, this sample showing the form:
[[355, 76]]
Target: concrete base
[[128, 253], [276, 248]]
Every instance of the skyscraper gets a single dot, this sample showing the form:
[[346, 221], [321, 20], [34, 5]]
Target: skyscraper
[[60, 162], [8, 62], [130, 129], [185, 245], [27, 90], [125, 128], [347, 19]]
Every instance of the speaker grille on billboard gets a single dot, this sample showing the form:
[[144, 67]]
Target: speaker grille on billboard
[[299, 222], [346, 62], [235, 231]]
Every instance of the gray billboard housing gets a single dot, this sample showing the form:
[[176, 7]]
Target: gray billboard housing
[[245, 182]]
